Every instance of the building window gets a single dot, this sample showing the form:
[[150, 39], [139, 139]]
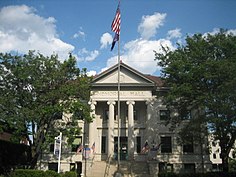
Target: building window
[[76, 143], [138, 144], [164, 114], [169, 168], [189, 168], [53, 166], [104, 142], [166, 146], [51, 148], [214, 167], [165, 167], [214, 156], [188, 148], [217, 167], [214, 143]]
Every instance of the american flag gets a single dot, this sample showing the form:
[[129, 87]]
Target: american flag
[[80, 149], [145, 148], [115, 26]]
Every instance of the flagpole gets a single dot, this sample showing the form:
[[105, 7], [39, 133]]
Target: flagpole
[[116, 28], [118, 158]]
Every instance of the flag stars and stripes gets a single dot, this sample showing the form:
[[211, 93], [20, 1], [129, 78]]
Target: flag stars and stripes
[[115, 27], [145, 148]]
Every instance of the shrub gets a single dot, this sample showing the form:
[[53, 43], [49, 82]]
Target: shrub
[[209, 174], [33, 173], [69, 174], [50, 173], [26, 173], [167, 174]]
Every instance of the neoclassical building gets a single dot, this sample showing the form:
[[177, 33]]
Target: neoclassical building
[[142, 122], [136, 102]]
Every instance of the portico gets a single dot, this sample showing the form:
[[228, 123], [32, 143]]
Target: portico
[[136, 90]]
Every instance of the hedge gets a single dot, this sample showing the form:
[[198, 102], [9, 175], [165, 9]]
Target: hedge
[[209, 174], [40, 173]]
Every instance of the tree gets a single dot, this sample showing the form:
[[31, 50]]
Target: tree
[[35, 92], [202, 73]]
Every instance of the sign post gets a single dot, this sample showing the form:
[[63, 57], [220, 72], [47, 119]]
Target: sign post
[[57, 150]]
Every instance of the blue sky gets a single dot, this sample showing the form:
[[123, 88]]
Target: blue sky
[[83, 28]]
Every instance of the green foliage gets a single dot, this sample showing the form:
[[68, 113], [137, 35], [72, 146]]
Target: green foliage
[[69, 174], [201, 75], [35, 91], [232, 165], [209, 174], [27, 173], [34, 173], [13, 154], [167, 174], [40, 173]]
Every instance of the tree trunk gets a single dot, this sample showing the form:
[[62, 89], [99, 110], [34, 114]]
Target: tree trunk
[[225, 163], [226, 145], [36, 149], [224, 155], [34, 161]]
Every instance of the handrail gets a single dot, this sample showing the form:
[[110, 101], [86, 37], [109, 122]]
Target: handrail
[[108, 162]]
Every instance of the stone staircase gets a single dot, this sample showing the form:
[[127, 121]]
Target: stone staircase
[[140, 169], [102, 169], [127, 169]]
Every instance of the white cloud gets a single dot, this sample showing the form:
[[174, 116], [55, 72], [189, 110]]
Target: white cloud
[[139, 54], [217, 30], [174, 33], [85, 55], [232, 31], [150, 23], [91, 73], [21, 30], [105, 40], [80, 34]]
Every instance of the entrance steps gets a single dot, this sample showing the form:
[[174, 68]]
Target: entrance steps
[[102, 169], [127, 169], [139, 169]]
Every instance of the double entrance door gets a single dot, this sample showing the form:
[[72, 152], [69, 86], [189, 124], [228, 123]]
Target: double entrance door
[[123, 148]]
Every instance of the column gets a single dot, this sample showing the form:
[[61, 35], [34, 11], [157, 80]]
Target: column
[[131, 136], [92, 125], [110, 138], [148, 136]]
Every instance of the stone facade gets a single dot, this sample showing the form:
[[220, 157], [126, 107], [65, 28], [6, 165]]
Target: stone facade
[[142, 119]]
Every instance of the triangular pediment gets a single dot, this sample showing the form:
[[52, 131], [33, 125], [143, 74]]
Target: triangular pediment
[[128, 77]]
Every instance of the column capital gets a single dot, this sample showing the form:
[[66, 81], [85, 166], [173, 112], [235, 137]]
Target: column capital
[[130, 102], [92, 102], [111, 102]]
